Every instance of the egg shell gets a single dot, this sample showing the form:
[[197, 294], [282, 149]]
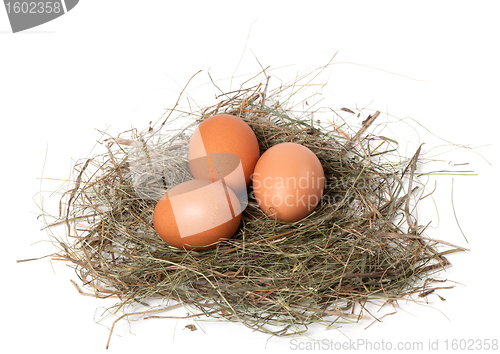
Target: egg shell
[[288, 181], [197, 215], [224, 146]]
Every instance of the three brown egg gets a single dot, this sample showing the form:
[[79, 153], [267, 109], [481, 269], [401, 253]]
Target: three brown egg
[[288, 182]]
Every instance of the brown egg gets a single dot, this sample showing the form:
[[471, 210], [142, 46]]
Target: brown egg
[[224, 146], [288, 181], [197, 214]]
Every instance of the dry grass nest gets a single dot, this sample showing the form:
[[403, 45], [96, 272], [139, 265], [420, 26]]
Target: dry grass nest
[[362, 244]]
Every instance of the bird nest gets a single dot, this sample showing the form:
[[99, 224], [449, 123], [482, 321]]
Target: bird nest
[[361, 244]]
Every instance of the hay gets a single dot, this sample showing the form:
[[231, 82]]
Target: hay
[[362, 243]]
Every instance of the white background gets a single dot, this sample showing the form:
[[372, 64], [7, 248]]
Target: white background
[[116, 64]]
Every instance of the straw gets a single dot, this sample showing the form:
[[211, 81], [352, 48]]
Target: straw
[[363, 242]]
